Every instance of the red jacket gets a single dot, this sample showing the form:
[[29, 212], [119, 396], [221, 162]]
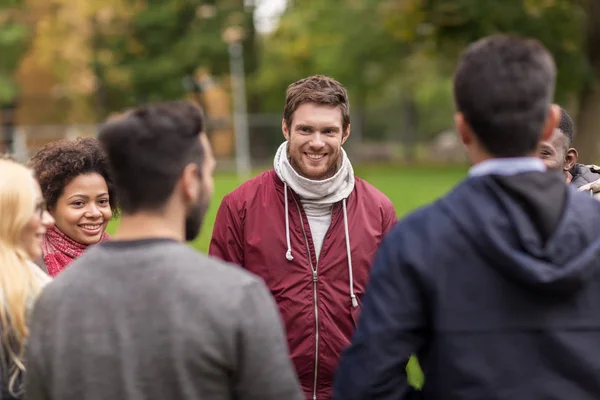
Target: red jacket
[[250, 231]]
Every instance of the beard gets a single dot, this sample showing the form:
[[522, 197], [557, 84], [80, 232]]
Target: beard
[[305, 169], [194, 219]]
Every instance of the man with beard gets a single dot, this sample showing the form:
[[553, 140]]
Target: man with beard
[[145, 316], [310, 229]]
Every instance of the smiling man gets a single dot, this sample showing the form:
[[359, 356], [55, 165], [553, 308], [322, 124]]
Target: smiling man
[[558, 154], [310, 229]]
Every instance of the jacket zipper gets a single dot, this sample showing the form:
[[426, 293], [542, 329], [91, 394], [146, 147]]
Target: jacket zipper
[[314, 270]]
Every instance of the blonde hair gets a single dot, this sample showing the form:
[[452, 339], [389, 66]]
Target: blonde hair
[[18, 283]]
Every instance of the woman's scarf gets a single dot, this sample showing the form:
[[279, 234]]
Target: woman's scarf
[[59, 250]]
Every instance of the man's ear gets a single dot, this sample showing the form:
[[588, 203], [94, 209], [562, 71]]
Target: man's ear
[[285, 130], [463, 129], [552, 121], [346, 134], [570, 159], [190, 183]]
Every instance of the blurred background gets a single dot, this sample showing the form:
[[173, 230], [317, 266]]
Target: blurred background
[[68, 65]]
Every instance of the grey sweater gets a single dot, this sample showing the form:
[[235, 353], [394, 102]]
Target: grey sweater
[[154, 319]]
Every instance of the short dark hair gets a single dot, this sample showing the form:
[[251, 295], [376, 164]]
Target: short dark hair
[[318, 89], [148, 148], [566, 125], [58, 163], [504, 86]]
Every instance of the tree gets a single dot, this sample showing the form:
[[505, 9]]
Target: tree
[[568, 28], [588, 117], [167, 41], [13, 42]]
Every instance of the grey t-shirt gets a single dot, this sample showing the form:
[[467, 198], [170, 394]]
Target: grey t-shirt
[[154, 319]]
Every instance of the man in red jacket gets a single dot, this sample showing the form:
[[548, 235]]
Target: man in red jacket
[[310, 229]]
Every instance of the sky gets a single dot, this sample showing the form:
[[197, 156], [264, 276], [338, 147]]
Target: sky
[[266, 14]]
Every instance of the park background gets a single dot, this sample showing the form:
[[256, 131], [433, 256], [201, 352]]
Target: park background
[[68, 65]]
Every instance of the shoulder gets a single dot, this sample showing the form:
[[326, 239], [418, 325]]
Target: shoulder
[[369, 193], [249, 190], [434, 222], [584, 202], [207, 279], [40, 275], [178, 264], [584, 174], [416, 223]]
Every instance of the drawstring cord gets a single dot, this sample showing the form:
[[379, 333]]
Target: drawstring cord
[[347, 232], [288, 253]]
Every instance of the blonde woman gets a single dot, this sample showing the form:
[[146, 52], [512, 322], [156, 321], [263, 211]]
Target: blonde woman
[[23, 224]]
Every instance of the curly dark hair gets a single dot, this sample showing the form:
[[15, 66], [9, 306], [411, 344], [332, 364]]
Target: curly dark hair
[[58, 163]]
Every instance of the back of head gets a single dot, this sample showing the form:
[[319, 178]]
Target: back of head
[[18, 285], [318, 89], [148, 148], [504, 86]]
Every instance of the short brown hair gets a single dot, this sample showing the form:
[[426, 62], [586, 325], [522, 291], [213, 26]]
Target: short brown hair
[[318, 89], [148, 148], [518, 75]]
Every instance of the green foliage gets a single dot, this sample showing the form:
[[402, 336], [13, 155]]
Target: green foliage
[[558, 24], [386, 52], [13, 42], [168, 40], [376, 48]]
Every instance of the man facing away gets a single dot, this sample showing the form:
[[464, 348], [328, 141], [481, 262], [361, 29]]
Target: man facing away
[[145, 316], [558, 154], [310, 229], [496, 286]]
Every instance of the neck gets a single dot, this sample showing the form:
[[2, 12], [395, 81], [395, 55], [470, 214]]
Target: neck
[[481, 156], [147, 225]]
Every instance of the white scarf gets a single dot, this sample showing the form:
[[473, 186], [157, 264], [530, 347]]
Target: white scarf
[[318, 194], [326, 191]]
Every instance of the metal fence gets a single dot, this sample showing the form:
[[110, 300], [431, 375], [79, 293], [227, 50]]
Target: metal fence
[[265, 136]]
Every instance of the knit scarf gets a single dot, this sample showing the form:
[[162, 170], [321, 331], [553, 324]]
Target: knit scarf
[[59, 250], [326, 191]]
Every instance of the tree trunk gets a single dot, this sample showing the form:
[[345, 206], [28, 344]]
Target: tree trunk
[[588, 118], [359, 116], [411, 119], [259, 147], [588, 125]]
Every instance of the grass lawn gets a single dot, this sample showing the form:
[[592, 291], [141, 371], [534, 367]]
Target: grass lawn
[[407, 187]]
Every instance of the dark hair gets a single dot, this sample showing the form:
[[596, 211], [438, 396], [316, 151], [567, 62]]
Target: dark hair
[[318, 89], [504, 86], [58, 163], [148, 148], [566, 125]]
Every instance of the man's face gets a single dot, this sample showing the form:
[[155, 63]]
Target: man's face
[[553, 152], [195, 215], [315, 140]]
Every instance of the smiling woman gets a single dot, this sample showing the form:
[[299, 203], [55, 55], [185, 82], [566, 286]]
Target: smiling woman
[[75, 181]]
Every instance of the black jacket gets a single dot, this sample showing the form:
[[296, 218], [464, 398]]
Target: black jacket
[[495, 287], [584, 174]]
